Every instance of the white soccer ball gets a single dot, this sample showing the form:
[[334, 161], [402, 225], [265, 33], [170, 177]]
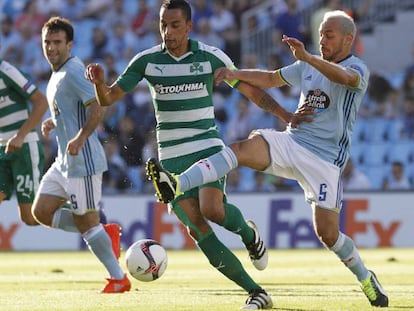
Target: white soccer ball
[[146, 260]]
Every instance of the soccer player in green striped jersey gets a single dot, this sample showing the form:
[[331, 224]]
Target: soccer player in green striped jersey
[[180, 75], [21, 152]]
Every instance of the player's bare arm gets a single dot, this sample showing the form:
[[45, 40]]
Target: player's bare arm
[[94, 117], [269, 104], [39, 103], [105, 95], [259, 78], [334, 72]]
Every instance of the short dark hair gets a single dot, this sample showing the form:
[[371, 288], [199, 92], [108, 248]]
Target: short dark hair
[[178, 4], [57, 23]]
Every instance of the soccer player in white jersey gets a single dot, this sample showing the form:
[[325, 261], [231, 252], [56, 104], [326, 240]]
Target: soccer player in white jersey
[[70, 191], [180, 74], [333, 85], [21, 152]]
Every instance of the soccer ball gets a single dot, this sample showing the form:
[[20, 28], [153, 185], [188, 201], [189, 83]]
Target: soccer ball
[[146, 260]]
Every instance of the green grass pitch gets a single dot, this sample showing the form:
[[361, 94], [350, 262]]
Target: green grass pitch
[[312, 280]]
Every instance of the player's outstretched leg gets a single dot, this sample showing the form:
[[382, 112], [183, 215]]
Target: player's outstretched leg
[[257, 249], [258, 299], [164, 183], [374, 291]]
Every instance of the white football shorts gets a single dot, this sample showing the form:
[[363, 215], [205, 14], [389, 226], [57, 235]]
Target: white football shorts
[[318, 178], [83, 193]]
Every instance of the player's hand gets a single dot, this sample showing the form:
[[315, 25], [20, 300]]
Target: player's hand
[[95, 73], [303, 114], [14, 143], [47, 126], [222, 74], [75, 145], [297, 47]]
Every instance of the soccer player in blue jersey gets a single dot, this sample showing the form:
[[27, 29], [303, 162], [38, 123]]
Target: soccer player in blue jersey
[[70, 191], [180, 74], [333, 85]]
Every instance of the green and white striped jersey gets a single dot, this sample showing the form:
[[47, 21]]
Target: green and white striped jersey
[[15, 90], [182, 90]]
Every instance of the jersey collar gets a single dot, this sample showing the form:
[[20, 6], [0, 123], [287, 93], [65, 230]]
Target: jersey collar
[[193, 47]]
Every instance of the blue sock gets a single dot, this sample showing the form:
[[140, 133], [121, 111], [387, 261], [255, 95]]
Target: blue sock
[[345, 249], [63, 219], [99, 243], [208, 170]]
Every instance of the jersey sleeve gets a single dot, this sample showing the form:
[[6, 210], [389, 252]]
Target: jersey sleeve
[[81, 86], [132, 74], [361, 69], [17, 80], [224, 61], [292, 74]]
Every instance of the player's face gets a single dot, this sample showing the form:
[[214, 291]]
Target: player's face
[[174, 30], [334, 45], [56, 48]]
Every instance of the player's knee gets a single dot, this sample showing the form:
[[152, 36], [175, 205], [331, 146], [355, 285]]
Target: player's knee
[[198, 232], [327, 237], [214, 212], [40, 215], [30, 221]]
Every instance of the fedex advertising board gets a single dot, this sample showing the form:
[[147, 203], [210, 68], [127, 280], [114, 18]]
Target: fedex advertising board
[[284, 221]]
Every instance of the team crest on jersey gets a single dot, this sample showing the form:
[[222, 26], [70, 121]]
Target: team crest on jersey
[[317, 99], [196, 68]]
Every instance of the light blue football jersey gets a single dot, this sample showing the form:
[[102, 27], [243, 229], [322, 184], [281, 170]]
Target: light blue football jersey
[[336, 107], [68, 94]]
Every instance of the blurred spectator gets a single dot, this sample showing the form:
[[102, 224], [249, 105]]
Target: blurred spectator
[[50, 7], [141, 21], [407, 88], [261, 184], [131, 144], [99, 45], [223, 22], [201, 9], [358, 10], [408, 117], [32, 56], [285, 184], [13, 8], [96, 9], [10, 41], [122, 43], [317, 17], [239, 125], [149, 37], [238, 7], [73, 9], [205, 34], [410, 68], [30, 17], [233, 181], [222, 19], [139, 107], [354, 179], [291, 24], [150, 150], [115, 179], [380, 100], [397, 179], [118, 14]]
